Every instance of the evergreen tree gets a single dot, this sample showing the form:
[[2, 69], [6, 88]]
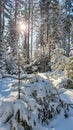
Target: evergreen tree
[[1, 30]]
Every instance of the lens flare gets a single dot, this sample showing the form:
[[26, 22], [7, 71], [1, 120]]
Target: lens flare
[[22, 27]]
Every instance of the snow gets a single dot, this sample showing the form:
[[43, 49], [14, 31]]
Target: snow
[[61, 123], [40, 83], [4, 90], [67, 96], [5, 127]]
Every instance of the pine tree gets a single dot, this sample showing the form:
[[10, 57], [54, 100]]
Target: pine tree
[[51, 34], [1, 30]]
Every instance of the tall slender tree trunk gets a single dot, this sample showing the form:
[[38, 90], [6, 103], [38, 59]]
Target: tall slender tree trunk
[[25, 32], [28, 33], [18, 85], [15, 13], [0, 29], [31, 28], [0, 25], [15, 30], [18, 55], [68, 27]]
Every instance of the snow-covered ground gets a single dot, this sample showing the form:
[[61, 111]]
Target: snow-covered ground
[[42, 83], [4, 89]]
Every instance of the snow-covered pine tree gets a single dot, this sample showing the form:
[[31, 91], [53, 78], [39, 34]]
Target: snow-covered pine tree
[[1, 33], [51, 34]]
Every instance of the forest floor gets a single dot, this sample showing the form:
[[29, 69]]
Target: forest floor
[[7, 94]]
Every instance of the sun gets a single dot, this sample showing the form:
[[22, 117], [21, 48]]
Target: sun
[[23, 26]]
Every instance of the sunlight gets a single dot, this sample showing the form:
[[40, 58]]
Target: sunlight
[[23, 27]]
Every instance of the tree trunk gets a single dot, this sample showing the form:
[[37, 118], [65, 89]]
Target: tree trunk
[[28, 32], [0, 29], [31, 28], [68, 27]]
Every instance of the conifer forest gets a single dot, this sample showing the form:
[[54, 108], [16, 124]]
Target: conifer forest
[[36, 64]]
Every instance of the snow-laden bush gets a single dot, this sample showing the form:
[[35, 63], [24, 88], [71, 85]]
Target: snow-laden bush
[[71, 50], [6, 112], [66, 83], [39, 103], [43, 101], [69, 68], [58, 60]]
